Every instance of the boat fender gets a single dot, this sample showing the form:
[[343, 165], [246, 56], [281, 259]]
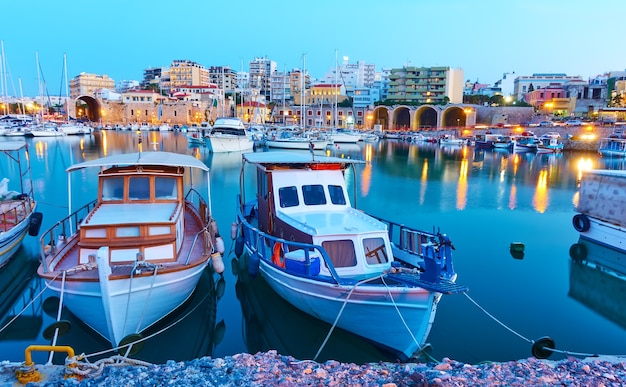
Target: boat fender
[[578, 252], [233, 230], [220, 288], [581, 222], [61, 327], [35, 223], [239, 246], [278, 255], [253, 265], [542, 348], [134, 340], [217, 262], [219, 244]]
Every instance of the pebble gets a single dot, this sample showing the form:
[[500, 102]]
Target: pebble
[[270, 368]]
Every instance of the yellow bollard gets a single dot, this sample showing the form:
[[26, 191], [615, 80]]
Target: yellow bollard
[[28, 373]]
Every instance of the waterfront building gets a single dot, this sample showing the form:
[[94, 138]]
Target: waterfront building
[[426, 85], [224, 77], [253, 112], [261, 70], [154, 76], [299, 83], [186, 72], [125, 85], [522, 84], [87, 84], [365, 97], [325, 94], [280, 92]]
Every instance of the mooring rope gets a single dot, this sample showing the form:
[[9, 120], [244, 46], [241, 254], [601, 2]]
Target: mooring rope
[[345, 302], [563, 352], [59, 310], [32, 301]]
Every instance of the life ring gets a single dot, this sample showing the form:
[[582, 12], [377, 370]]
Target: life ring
[[278, 255], [581, 222]]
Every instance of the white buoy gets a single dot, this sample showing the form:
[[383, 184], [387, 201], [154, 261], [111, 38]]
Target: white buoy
[[233, 231], [219, 244], [218, 263]]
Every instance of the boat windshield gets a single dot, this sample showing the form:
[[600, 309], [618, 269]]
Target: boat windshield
[[313, 194], [288, 196], [113, 188], [336, 195]]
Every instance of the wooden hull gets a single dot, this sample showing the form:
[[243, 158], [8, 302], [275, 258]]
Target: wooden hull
[[115, 308]]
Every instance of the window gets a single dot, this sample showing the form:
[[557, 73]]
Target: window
[[165, 188], [288, 197], [139, 188], [313, 194], [341, 252], [336, 195], [375, 250], [113, 188]]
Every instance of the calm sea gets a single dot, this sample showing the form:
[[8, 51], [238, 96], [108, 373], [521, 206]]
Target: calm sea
[[484, 200]]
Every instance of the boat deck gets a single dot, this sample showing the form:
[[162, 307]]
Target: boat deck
[[69, 251]]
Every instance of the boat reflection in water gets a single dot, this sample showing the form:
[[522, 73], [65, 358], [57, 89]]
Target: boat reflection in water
[[272, 323], [598, 279]]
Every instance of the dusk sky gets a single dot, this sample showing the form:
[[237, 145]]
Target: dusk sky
[[485, 38]]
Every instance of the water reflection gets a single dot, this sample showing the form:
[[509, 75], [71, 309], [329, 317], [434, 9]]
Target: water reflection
[[598, 279]]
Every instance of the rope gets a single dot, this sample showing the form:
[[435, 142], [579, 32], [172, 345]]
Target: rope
[[32, 301], [563, 352], [345, 302], [154, 334], [59, 310], [419, 347], [94, 370]]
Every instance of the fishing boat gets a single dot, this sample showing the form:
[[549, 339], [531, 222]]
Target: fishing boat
[[375, 278], [613, 146], [526, 142], [601, 207], [229, 135], [17, 204], [195, 139], [503, 142], [550, 143], [133, 255]]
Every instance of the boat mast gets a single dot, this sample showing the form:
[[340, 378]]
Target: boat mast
[[303, 103], [67, 94], [3, 77], [336, 92], [40, 88]]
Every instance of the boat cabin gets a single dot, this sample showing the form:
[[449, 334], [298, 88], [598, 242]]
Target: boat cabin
[[140, 212], [309, 203]]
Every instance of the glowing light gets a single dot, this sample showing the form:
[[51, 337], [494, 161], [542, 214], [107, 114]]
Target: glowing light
[[540, 200], [461, 189]]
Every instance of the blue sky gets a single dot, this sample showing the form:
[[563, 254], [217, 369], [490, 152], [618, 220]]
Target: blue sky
[[485, 38]]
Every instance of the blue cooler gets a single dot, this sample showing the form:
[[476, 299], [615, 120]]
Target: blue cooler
[[295, 262]]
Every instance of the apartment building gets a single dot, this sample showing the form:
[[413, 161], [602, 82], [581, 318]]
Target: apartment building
[[87, 84], [425, 85], [325, 94], [261, 70], [187, 73], [522, 84]]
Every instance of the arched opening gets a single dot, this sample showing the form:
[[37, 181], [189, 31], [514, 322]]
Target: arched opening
[[87, 109], [402, 118], [426, 118], [380, 118], [454, 117]]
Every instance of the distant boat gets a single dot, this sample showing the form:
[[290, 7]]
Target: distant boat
[[613, 146], [132, 256], [549, 143], [374, 278], [229, 135], [17, 205], [526, 142]]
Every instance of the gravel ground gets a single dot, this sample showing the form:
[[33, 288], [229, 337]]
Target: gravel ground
[[270, 368]]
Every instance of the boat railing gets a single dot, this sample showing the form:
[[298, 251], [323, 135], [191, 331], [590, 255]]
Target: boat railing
[[16, 211], [264, 246], [63, 229], [413, 241], [194, 197]]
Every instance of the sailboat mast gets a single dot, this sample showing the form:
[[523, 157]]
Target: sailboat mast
[[21, 96], [4, 89], [67, 94], [336, 92], [302, 91], [39, 84]]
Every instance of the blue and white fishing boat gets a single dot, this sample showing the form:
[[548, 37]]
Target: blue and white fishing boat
[[17, 204], [375, 278], [133, 255]]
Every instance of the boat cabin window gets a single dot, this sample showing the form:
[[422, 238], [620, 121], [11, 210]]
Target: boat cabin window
[[288, 196], [165, 188], [113, 188], [375, 251], [341, 252], [313, 194], [139, 188], [336, 195]]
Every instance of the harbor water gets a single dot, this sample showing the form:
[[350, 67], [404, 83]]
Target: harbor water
[[485, 200]]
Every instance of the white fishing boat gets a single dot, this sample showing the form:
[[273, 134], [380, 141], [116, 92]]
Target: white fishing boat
[[601, 207], [132, 256], [229, 135], [375, 278], [17, 205], [526, 142], [550, 143]]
